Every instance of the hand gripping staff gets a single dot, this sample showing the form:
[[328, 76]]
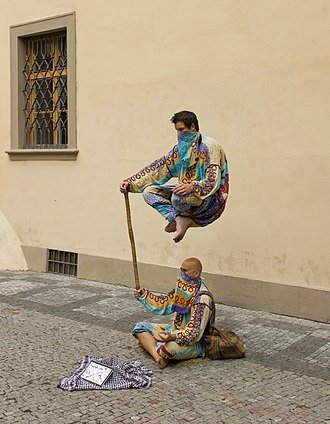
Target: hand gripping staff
[[131, 238]]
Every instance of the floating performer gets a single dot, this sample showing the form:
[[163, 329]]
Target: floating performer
[[181, 338], [200, 165]]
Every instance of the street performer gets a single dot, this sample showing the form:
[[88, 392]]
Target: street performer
[[182, 337], [200, 165]]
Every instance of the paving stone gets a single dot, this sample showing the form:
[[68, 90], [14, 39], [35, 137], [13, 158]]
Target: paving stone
[[16, 286], [117, 307], [49, 322], [60, 296]]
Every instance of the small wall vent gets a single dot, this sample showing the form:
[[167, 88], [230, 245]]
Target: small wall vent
[[61, 262]]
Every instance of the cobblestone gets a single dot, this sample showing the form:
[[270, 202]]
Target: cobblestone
[[48, 322]]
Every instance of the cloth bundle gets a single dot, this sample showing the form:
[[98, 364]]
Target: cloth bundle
[[125, 375], [223, 344]]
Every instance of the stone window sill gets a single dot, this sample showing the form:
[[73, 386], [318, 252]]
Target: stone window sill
[[43, 154]]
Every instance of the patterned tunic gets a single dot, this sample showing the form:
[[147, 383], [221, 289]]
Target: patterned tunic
[[208, 173], [188, 327]]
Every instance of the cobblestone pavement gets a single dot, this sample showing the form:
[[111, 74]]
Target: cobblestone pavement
[[49, 322]]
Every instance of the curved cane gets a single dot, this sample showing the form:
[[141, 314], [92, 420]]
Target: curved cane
[[131, 238]]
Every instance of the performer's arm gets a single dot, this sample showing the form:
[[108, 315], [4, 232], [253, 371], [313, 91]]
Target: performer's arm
[[194, 330], [212, 181], [158, 172], [159, 304]]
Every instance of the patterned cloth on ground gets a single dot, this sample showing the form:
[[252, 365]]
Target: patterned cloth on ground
[[125, 375]]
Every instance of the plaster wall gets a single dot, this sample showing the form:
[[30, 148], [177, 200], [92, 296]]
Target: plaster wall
[[257, 75], [11, 255]]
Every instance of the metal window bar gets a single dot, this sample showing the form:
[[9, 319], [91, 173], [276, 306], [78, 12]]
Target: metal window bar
[[62, 262], [45, 91]]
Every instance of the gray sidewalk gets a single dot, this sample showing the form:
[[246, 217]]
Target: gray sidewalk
[[49, 322]]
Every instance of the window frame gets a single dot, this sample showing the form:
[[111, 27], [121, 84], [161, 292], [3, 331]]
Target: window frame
[[17, 49]]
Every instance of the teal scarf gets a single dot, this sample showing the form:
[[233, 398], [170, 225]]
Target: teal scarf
[[185, 141]]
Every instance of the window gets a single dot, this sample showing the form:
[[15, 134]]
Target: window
[[43, 90]]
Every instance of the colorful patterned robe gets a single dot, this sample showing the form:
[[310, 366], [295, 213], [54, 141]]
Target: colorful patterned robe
[[188, 327], [208, 173]]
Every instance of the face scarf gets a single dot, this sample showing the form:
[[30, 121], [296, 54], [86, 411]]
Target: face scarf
[[185, 141], [185, 291]]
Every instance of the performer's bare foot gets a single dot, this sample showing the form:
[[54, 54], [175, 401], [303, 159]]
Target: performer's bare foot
[[162, 363], [170, 227], [182, 225]]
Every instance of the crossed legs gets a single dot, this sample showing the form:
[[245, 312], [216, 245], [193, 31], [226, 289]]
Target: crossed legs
[[176, 209], [148, 343]]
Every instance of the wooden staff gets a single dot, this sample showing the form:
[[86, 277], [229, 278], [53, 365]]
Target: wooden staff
[[131, 238]]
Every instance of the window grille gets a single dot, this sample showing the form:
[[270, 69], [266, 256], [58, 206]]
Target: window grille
[[62, 262], [45, 91]]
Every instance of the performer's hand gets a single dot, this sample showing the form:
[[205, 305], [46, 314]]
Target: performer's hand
[[166, 337], [183, 189], [124, 187], [137, 293]]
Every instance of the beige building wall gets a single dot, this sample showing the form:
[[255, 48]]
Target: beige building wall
[[256, 73], [11, 255]]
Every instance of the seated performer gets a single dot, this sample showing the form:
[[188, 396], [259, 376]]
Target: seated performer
[[200, 165], [181, 338]]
